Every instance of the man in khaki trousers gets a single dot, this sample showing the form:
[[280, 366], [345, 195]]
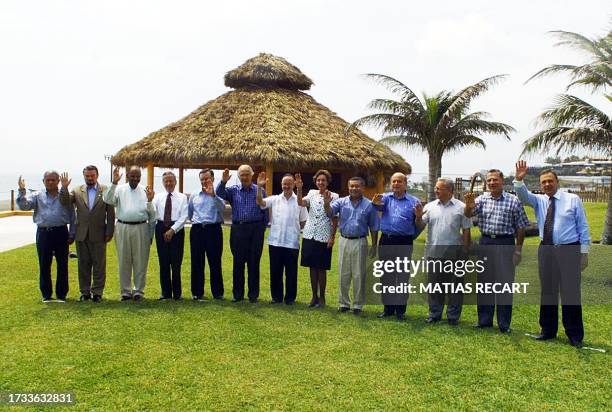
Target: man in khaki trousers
[[136, 219], [94, 228]]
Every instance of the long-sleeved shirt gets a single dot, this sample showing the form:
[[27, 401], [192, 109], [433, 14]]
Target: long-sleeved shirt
[[286, 218], [569, 225], [48, 210], [131, 205], [398, 215], [355, 219], [179, 208], [244, 203], [502, 216], [205, 209]]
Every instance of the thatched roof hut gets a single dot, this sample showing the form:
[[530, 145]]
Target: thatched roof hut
[[269, 123]]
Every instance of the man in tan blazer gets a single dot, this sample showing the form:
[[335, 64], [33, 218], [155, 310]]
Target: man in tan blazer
[[94, 228]]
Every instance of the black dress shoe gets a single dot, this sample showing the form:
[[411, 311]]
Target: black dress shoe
[[137, 298], [343, 309], [219, 298], [400, 316], [384, 315], [83, 298], [125, 297], [453, 322], [97, 298], [177, 298], [543, 336], [479, 326], [575, 343], [237, 300], [357, 312], [291, 302], [505, 330], [163, 298], [274, 302], [253, 300], [432, 320]]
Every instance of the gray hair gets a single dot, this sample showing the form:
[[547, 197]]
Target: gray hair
[[51, 172], [169, 173], [246, 167], [448, 182]]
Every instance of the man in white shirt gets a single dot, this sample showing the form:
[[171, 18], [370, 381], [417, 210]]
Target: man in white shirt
[[134, 230], [448, 237], [172, 210], [288, 218]]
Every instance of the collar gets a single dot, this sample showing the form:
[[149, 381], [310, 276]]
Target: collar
[[501, 197], [249, 188], [450, 202], [557, 194], [404, 196]]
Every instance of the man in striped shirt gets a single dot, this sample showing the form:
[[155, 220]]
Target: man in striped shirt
[[501, 219]]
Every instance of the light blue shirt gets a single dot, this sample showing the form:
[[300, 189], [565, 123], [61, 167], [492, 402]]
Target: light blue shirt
[[91, 196], [570, 223], [206, 209], [48, 211], [355, 221]]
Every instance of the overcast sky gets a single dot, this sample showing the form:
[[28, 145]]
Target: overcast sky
[[80, 79]]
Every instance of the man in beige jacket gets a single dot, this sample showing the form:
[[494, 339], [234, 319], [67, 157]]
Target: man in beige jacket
[[94, 228]]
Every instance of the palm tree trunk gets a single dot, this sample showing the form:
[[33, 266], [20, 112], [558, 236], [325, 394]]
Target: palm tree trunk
[[435, 165], [606, 236]]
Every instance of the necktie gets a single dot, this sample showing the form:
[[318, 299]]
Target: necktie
[[549, 222], [168, 211]]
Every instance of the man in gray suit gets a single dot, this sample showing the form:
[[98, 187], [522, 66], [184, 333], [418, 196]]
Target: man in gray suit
[[94, 228]]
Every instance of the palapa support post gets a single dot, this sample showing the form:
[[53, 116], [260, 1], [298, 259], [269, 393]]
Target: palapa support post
[[181, 174], [380, 182], [270, 177], [150, 176]]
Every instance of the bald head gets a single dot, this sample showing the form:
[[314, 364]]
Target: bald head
[[134, 175], [399, 184]]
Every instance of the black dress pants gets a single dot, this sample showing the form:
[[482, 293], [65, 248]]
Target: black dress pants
[[285, 260], [206, 242], [246, 243], [170, 256], [53, 242]]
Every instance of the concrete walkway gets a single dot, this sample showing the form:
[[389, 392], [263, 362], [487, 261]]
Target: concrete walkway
[[16, 231]]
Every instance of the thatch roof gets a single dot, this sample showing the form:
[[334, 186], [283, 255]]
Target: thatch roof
[[269, 71], [260, 125]]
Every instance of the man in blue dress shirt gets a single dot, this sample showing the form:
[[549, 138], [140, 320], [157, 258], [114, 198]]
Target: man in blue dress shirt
[[357, 217], [206, 236], [52, 234], [247, 233], [564, 247], [398, 232]]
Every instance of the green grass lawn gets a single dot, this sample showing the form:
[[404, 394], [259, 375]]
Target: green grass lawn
[[219, 355]]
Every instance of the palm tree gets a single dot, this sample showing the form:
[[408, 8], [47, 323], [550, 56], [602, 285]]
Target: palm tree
[[571, 123], [438, 124]]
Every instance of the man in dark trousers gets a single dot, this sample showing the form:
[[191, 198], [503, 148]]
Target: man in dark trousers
[[501, 219], [206, 237], [171, 209], [94, 229], [562, 255], [52, 235], [247, 233]]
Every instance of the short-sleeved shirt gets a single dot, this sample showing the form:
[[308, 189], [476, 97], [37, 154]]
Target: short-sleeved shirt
[[501, 216], [319, 225], [355, 219], [444, 224], [286, 217]]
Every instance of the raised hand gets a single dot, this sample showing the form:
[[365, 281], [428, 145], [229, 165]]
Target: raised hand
[[226, 176], [209, 188], [327, 198], [521, 170], [64, 180], [378, 199], [116, 175], [418, 211], [150, 193], [21, 183], [261, 179], [470, 200], [299, 184]]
